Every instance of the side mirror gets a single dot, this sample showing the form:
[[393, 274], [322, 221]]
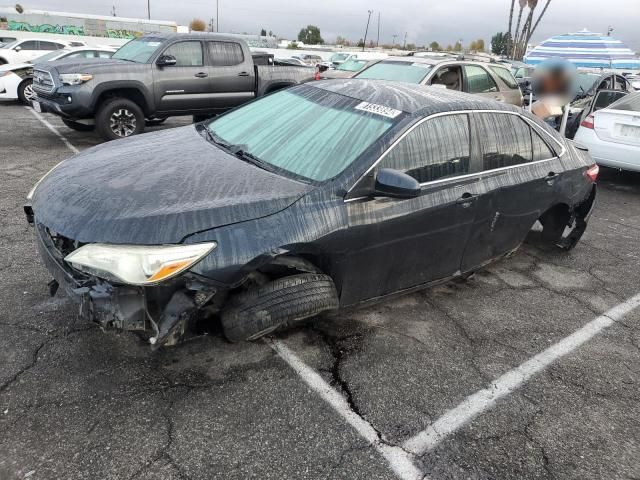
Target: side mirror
[[17, 49], [166, 61], [395, 184]]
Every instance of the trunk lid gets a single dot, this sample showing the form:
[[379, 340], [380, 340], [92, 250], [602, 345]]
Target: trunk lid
[[618, 126]]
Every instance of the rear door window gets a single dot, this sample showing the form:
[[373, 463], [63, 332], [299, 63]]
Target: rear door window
[[187, 54], [505, 76], [225, 54], [505, 140], [436, 149], [478, 80], [49, 46], [541, 150], [30, 45]]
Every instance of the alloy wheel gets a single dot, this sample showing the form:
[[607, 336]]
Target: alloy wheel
[[122, 122], [28, 92]]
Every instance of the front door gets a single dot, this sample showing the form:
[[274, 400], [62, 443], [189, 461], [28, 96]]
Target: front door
[[395, 244], [184, 86], [520, 180]]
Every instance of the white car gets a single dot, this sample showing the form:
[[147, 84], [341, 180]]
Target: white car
[[26, 49], [612, 134], [16, 78]]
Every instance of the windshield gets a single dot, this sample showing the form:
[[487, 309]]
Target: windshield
[[308, 132], [139, 50], [338, 57], [397, 71], [48, 56], [353, 65], [10, 44]]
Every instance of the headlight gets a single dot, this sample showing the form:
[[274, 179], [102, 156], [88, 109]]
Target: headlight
[[74, 78], [136, 264], [33, 190]]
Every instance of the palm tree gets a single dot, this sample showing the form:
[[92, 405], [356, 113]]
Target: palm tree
[[521, 45], [508, 46], [544, 10], [523, 3]]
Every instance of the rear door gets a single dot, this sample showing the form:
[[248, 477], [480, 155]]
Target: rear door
[[395, 244], [508, 85], [478, 81], [233, 80], [184, 86], [521, 177]]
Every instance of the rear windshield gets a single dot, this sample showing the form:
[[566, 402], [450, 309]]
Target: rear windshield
[[139, 50], [630, 103], [308, 132], [397, 71], [48, 56]]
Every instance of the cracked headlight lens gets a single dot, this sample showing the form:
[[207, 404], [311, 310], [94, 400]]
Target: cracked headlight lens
[[137, 264]]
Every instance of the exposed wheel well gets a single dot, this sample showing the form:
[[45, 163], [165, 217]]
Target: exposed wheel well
[[132, 94], [2, 61]]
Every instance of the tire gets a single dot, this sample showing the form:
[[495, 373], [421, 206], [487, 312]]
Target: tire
[[80, 127], [25, 91], [119, 118], [262, 309]]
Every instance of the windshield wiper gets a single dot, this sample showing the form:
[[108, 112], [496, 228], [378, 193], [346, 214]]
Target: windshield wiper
[[240, 152]]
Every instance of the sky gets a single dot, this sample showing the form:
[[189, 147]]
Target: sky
[[424, 21]]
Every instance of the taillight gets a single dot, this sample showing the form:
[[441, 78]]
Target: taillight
[[589, 122], [592, 172], [317, 76]]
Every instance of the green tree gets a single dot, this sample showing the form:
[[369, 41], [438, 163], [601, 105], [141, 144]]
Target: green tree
[[449, 48], [457, 47], [292, 46], [411, 46], [434, 46], [271, 33], [500, 44], [360, 43], [310, 35], [263, 33]]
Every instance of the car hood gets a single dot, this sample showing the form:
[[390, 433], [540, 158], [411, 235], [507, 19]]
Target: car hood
[[157, 188], [14, 66], [89, 65]]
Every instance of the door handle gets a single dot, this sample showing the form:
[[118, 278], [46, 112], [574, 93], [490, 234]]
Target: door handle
[[551, 177], [202, 75], [466, 199], [243, 74]]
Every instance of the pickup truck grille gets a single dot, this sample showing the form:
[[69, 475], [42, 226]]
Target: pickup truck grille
[[43, 81]]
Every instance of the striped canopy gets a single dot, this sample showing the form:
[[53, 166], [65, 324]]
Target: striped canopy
[[586, 49]]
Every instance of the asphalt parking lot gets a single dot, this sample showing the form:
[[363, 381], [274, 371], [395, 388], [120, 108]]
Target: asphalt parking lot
[[343, 397]]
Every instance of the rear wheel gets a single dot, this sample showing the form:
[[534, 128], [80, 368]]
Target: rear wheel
[[80, 127], [119, 118], [25, 91], [262, 309]]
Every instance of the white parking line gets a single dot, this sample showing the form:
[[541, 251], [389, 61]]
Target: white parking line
[[53, 129], [485, 399], [399, 460]]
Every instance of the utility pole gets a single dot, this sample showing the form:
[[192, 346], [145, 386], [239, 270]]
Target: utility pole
[[211, 24], [404, 44], [113, 11], [364, 42], [393, 42], [149, 9], [217, 16], [378, 39]]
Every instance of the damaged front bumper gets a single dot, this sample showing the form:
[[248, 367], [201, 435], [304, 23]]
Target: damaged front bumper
[[162, 310]]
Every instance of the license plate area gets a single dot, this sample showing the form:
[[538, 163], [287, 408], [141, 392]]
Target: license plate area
[[629, 131]]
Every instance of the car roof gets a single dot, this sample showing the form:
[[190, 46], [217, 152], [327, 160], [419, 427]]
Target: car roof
[[192, 36], [419, 100], [438, 60]]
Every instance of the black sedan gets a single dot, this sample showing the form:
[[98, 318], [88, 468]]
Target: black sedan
[[311, 199]]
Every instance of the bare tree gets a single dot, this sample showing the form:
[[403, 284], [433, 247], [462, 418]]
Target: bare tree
[[544, 10], [523, 3]]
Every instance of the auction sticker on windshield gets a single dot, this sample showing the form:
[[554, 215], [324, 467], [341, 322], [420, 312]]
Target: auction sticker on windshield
[[378, 109]]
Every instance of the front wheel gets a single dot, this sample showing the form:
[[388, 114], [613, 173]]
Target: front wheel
[[262, 309], [119, 118], [25, 91]]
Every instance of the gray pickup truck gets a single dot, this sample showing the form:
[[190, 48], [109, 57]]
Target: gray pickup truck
[[157, 76]]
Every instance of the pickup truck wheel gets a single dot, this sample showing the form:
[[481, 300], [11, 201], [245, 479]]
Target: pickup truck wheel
[[25, 91], [119, 118], [262, 309], [80, 127]]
